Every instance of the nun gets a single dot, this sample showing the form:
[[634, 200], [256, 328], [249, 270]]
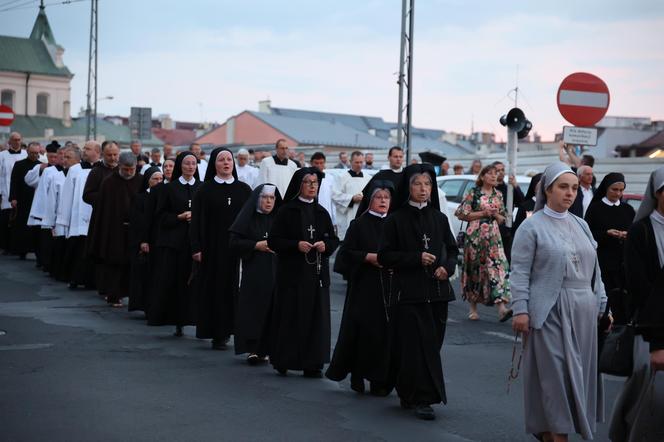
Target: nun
[[248, 240], [557, 303], [171, 301], [303, 238], [139, 267], [609, 220], [215, 207], [362, 348], [419, 248], [638, 414]]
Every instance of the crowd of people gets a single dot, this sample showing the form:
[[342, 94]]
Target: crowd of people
[[243, 251]]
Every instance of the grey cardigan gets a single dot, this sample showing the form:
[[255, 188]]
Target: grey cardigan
[[538, 268]]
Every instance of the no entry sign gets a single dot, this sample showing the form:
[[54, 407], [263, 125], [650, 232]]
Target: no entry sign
[[583, 99], [6, 115]]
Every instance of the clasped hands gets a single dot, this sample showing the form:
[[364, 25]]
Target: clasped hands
[[185, 216], [428, 259], [305, 246]]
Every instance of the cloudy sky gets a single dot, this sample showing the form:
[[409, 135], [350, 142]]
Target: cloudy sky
[[210, 59]]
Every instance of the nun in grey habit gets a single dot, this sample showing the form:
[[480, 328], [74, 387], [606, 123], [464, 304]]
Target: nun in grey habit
[[638, 413], [553, 261]]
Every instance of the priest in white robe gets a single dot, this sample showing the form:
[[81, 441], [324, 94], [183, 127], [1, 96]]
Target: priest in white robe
[[325, 189], [7, 159], [347, 193], [277, 169], [246, 173]]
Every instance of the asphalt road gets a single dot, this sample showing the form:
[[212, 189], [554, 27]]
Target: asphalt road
[[73, 369]]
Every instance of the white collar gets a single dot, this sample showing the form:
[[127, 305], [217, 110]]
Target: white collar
[[190, 182], [304, 200], [399, 170], [418, 205], [147, 190], [606, 201], [379, 215], [222, 181], [553, 214], [657, 217]]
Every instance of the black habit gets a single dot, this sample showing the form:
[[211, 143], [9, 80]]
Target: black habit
[[382, 175], [419, 301], [258, 273], [300, 320], [109, 238], [23, 237], [171, 300], [362, 347], [215, 207]]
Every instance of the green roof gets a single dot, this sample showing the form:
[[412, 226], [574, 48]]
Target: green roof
[[32, 54], [42, 29], [28, 55], [34, 127]]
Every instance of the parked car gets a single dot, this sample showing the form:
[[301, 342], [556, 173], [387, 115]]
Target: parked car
[[456, 186]]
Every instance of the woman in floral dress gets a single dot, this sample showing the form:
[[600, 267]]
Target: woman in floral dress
[[485, 267]]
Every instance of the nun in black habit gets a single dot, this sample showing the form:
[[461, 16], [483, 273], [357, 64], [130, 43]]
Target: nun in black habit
[[363, 347], [171, 301], [420, 249], [303, 238], [139, 265], [609, 219], [248, 239], [216, 205]]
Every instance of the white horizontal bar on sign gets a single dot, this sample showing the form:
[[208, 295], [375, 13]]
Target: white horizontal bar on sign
[[6, 116], [587, 99]]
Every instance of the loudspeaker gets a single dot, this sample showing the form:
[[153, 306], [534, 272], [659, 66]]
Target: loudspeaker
[[516, 119], [523, 133]]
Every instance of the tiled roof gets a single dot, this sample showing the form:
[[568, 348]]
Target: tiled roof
[[176, 137], [28, 55], [422, 144], [321, 131], [358, 122]]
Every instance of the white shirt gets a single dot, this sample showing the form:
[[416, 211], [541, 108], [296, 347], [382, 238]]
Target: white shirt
[[202, 168], [325, 196], [587, 197], [346, 187], [38, 210], [279, 175], [223, 181]]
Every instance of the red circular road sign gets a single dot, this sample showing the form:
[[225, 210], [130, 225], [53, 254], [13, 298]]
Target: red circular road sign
[[583, 99], [6, 115]]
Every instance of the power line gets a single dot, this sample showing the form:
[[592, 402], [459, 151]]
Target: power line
[[32, 3], [9, 3], [20, 6]]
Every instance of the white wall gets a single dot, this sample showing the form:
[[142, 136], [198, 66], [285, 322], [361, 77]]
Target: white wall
[[58, 89]]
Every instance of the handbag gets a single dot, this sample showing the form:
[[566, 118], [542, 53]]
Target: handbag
[[461, 234], [617, 354]]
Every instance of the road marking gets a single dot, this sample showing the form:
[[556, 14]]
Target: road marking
[[501, 335], [25, 347]]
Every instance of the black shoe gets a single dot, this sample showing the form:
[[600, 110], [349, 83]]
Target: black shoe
[[178, 331], [425, 412], [357, 383], [315, 374], [377, 389], [406, 405], [73, 286], [253, 359], [218, 344], [281, 371]]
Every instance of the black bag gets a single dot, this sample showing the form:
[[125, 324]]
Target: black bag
[[616, 357], [461, 236]]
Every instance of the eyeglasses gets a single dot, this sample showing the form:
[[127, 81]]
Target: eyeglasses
[[313, 183]]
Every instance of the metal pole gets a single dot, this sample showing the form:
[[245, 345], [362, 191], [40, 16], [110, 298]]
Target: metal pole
[[410, 79], [402, 62], [91, 109], [512, 143], [96, 13]]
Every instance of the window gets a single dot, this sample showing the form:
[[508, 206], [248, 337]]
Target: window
[[42, 104], [7, 98], [453, 189]]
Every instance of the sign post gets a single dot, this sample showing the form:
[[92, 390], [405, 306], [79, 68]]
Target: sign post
[[6, 118], [583, 100]]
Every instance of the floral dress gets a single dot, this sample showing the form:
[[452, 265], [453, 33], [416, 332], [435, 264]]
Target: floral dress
[[485, 267]]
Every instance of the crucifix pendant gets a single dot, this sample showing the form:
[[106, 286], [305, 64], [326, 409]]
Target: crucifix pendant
[[311, 231], [425, 241], [575, 261], [189, 204], [265, 235], [229, 201]]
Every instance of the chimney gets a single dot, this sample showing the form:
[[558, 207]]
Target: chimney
[[66, 114], [265, 106]]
